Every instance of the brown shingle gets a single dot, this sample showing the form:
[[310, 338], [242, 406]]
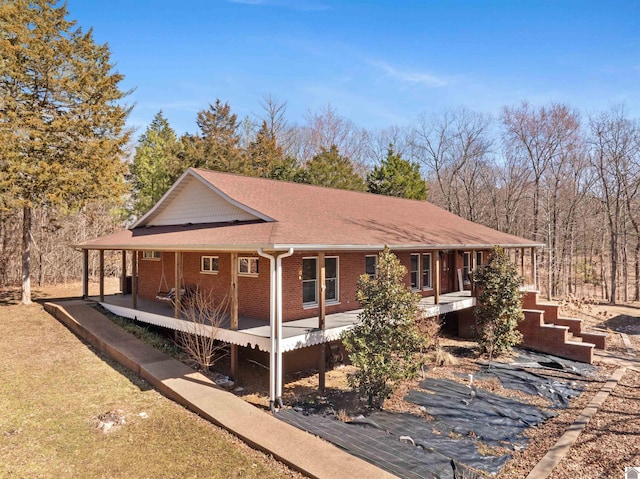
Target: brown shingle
[[309, 217]]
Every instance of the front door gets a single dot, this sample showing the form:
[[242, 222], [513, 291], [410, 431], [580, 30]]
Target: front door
[[447, 272]]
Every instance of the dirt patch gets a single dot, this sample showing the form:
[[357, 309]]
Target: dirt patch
[[111, 421]]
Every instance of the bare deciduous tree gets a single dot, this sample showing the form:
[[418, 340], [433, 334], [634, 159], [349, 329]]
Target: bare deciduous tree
[[614, 156], [326, 128], [454, 147], [204, 317]]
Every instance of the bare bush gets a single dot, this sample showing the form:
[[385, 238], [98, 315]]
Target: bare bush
[[204, 317], [429, 327]]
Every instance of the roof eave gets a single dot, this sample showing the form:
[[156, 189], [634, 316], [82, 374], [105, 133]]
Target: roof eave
[[403, 247], [296, 247]]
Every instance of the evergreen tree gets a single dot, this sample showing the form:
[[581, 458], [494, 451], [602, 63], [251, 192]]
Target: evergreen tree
[[266, 158], [151, 171], [397, 177], [500, 304], [385, 340], [218, 146], [329, 168], [62, 124]]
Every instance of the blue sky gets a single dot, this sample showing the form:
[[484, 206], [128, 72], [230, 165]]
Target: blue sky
[[378, 63]]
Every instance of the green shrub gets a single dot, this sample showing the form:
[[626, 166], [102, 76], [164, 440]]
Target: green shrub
[[384, 342], [499, 307]]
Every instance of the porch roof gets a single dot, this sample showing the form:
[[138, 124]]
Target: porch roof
[[255, 332], [250, 213]]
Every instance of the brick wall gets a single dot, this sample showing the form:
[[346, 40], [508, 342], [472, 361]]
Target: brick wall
[[253, 292]]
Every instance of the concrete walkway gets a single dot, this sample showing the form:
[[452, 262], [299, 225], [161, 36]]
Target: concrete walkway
[[298, 449]]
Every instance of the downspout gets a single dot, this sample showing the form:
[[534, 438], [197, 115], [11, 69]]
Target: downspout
[[279, 324], [272, 328]]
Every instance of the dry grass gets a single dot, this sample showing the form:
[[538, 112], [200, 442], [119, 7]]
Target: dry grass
[[55, 434], [55, 391]]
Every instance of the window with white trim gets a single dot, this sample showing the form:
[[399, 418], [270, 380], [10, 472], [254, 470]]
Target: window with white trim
[[466, 268], [331, 292], [310, 274], [247, 266], [209, 264], [371, 266], [309, 281], [426, 271], [415, 271], [156, 255]]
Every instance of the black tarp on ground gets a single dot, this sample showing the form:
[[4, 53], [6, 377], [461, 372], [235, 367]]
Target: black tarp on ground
[[474, 412], [558, 391], [375, 445], [465, 419], [527, 357]]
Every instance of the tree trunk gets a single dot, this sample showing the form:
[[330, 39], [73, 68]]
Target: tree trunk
[[26, 255], [614, 267], [636, 271]]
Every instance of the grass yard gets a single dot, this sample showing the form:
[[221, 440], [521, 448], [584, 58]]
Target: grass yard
[[53, 391]]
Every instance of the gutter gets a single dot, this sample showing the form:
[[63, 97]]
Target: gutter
[[279, 321], [299, 247], [275, 326]]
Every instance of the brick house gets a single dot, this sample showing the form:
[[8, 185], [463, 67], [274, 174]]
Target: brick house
[[271, 246]]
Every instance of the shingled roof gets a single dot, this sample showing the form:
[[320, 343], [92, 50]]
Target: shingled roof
[[206, 210]]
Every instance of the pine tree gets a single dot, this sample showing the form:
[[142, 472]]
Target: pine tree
[[151, 171], [266, 158], [218, 145], [62, 124], [397, 177], [329, 168], [385, 340], [500, 304]]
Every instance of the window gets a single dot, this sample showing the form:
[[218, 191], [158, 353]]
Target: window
[[310, 273], [209, 264], [466, 269], [371, 266], [331, 279], [415, 271], [248, 266], [309, 280], [426, 271], [478, 258], [151, 255]]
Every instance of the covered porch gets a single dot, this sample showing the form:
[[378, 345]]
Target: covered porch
[[255, 333]]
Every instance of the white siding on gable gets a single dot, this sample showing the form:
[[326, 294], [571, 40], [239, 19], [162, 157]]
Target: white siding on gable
[[196, 203]]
